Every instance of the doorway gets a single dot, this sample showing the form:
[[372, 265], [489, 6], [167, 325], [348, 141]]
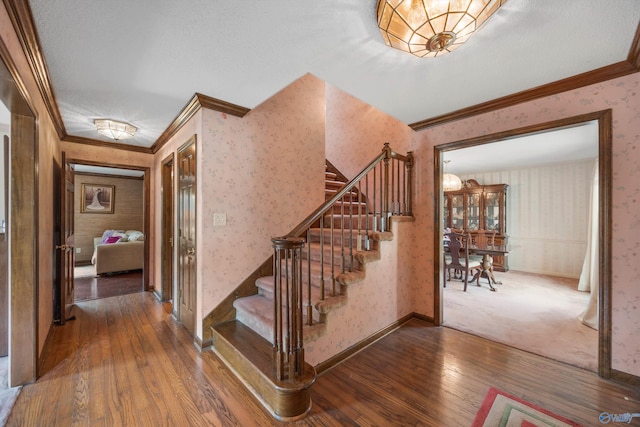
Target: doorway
[[122, 265], [21, 226], [187, 280], [167, 236], [603, 120]]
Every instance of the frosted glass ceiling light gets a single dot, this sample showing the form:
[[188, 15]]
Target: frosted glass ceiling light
[[428, 28], [450, 182], [114, 129]]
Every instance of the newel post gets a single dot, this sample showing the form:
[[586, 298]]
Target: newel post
[[288, 345], [386, 214], [409, 166]]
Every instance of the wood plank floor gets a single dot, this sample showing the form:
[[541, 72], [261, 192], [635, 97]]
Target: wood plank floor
[[108, 285], [124, 361]]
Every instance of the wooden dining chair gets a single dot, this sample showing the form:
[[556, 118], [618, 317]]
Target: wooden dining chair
[[457, 258]]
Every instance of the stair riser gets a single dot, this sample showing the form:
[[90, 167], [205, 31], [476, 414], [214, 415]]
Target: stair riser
[[316, 282], [349, 239], [353, 223]]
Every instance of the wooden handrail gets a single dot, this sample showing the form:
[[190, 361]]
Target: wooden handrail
[[389, 195]]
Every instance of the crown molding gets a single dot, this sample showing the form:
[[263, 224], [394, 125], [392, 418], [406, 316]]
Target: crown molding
[[197, 102], [620, 69], [112, 145], [22, 20]]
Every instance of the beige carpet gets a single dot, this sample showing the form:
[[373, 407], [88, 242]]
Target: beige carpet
[[531, 312]]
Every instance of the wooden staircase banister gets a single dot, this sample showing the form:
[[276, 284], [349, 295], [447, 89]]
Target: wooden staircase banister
[[288, 340], [387, 153]]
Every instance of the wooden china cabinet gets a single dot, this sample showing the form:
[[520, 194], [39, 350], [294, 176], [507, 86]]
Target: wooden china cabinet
[[476, 208]]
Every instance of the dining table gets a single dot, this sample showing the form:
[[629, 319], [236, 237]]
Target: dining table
[[487, 251]]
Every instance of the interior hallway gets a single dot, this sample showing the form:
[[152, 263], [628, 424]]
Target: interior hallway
[[125, 361]]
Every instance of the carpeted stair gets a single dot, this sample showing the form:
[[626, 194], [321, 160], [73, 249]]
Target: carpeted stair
[[253, 328]]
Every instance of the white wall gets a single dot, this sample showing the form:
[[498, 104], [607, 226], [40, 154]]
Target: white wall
[[547, 214]]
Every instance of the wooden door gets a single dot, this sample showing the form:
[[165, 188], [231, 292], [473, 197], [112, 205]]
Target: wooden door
[[187, 235], [66, 248], [167, 258]]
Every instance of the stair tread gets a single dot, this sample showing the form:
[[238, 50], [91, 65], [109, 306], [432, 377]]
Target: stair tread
[[253, 346]]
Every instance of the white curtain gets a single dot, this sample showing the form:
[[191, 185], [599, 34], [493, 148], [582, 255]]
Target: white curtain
[[589, 280]]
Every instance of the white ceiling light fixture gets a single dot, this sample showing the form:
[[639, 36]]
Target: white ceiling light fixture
[[429, 28], [450, 182], [114, 129]]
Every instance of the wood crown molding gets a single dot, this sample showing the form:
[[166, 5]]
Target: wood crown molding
[[112, 145], [193, 106], [620, 69], [22, 19]]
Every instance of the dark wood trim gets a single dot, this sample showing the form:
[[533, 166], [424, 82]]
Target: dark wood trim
[[192, 107], [605, 170], [423, 317], [624, 377], [619, 69], [344, 355], [112, 145], [634, 51], [146, 189], [24, 253], [604, 119], [167, 228], [146, 216], [103, 175], [16, 97], [221, 106], [438, 260], [22, 20]]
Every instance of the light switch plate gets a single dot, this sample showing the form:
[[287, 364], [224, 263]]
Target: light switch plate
[[219, 219]]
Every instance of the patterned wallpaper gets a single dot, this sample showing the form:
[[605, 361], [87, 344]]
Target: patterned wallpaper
[[620, 95], [547, 215]]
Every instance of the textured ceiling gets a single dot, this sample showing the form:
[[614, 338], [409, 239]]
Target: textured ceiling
[[141, 61]]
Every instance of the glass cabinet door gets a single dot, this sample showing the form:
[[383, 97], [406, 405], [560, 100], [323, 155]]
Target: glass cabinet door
[[492, 211], [473, 212], [457, 212]]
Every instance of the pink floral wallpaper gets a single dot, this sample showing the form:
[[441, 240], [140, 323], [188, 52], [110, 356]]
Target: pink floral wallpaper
[[620, 95]]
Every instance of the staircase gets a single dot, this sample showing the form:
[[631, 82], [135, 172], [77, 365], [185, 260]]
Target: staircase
[[337, 245]]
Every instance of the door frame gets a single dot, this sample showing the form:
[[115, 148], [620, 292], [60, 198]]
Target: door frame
[[146, 227], [22, 223], [177, 306], [604, 119], [167, 229]]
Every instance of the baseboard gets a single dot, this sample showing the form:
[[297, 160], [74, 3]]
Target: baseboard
[[424, 317], [205, 345], [624, 377], [344, 355]]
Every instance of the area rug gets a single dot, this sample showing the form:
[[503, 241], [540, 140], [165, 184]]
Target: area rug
[[503, 410]]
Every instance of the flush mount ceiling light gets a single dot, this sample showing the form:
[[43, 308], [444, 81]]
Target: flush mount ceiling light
[[114, 129], [429, 28]]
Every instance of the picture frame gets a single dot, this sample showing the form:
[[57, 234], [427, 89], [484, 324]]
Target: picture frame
[[97, 198]]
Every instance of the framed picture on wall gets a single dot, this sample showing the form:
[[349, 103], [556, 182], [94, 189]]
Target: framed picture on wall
[[97, 198]]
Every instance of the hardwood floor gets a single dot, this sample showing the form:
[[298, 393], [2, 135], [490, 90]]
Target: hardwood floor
[[125, 361], [89, 288]]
